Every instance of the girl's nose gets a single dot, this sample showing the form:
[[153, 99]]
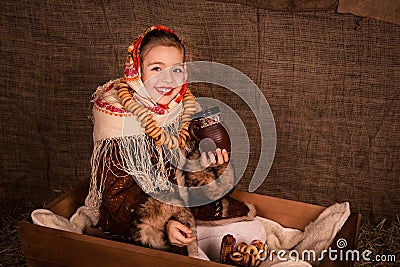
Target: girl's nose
[[167, 76]]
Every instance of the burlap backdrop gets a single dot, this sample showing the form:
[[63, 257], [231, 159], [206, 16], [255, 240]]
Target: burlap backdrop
[[332, 82]]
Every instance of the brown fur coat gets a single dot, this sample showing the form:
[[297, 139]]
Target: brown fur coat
[[135, 217]]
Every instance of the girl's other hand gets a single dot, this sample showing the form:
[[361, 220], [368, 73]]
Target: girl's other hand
[[211, 159], [220, 158], [178, 234]]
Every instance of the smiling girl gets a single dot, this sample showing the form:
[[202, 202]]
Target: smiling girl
[[140, 130]]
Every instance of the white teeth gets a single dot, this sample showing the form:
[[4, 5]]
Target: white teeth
[[164, 90]]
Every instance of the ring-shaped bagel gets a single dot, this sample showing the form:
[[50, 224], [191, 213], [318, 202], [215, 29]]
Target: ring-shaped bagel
[[191, 109], [182, 141], [241, 247], [125, 99], [142, 114], [128, 103], [167, 138], [147, 123], [253, 260], [251, 249], [236, 256], [175, 142], [150, 128], [158, 142], [123, 92], [134, 108], [246, 258], [258, 243], [189, 102], [156, 132], [122, 85], [138, 109]]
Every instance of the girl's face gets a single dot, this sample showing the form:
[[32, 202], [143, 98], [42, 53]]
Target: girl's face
[[163, 73]]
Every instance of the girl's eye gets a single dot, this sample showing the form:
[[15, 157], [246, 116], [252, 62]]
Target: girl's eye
[[178, 70], [156, 69]]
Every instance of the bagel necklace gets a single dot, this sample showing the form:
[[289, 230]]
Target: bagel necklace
[[143, 115]]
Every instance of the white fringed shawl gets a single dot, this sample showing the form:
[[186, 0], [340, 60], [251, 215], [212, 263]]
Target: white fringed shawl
[[118, 131]]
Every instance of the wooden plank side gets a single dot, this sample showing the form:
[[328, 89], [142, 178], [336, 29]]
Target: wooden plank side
[[288, 213], [30, 262], [59, 248], [67, 204], [50, 247]]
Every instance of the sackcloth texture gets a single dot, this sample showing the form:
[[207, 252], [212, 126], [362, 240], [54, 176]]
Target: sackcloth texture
[[332, 82], [386, 10]]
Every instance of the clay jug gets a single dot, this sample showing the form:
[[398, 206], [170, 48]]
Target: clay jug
[[207, 127]]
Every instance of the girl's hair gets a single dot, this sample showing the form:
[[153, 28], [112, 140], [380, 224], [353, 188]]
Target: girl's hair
[[159, 38]]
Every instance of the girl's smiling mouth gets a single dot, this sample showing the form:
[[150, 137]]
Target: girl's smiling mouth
[[164, 90]]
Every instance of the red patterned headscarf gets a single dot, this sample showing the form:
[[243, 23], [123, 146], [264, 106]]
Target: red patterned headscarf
[[133, 78]]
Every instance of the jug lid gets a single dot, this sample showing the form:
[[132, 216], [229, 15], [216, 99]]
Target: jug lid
[[206, 113]]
